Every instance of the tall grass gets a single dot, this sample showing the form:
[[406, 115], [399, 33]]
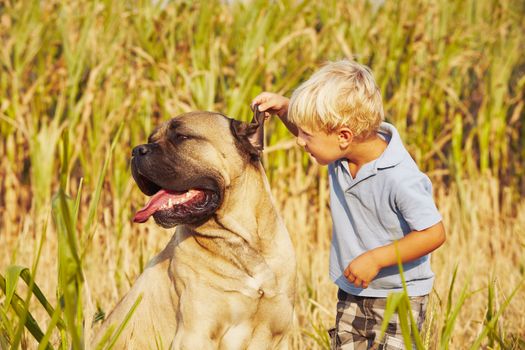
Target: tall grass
[[81, 82]]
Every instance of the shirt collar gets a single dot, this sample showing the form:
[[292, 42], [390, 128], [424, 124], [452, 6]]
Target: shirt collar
[[393, 154]]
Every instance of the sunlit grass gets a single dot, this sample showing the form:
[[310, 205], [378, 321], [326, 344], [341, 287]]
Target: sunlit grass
[[81, 82]]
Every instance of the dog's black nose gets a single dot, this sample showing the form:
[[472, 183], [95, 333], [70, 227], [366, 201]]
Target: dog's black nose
[[140, 150]]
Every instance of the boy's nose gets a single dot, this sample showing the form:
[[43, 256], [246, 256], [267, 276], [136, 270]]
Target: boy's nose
[[301, 142]]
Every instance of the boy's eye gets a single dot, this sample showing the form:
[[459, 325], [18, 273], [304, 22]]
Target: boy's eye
[[304, 134]]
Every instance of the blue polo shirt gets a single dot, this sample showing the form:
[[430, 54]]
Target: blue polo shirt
[[389, 198]]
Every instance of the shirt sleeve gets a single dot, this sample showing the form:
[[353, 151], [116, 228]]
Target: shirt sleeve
[[415, 203]]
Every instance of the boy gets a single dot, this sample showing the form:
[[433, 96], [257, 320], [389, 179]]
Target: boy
[[377, 196]]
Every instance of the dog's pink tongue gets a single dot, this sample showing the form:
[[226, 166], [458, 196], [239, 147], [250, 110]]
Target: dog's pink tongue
[[158, 200]]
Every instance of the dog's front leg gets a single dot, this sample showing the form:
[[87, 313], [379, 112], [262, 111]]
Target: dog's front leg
[[202, 317], [153, 321]]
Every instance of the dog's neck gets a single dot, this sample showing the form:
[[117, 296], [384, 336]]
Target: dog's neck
[[250, 235], [253, 184]]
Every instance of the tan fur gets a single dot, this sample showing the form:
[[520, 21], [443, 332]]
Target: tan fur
[[227, 284]]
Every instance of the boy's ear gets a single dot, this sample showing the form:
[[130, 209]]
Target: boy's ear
[[250, 136], [345, 136]]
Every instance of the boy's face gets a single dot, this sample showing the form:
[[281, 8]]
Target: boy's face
[[325, 148]]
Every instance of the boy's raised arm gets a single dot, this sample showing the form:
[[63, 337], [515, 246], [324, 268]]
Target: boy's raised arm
[[272, 103]]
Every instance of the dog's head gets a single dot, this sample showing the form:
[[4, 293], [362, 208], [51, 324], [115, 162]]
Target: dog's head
[[189, 162]]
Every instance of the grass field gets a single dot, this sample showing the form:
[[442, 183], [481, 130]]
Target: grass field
[[82, 82]]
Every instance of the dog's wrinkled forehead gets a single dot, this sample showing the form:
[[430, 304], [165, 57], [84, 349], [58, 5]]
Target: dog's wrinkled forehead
[[158, 133], [205, 125]]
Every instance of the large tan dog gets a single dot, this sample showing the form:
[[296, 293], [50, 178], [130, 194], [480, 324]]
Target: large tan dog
[[226, 279]]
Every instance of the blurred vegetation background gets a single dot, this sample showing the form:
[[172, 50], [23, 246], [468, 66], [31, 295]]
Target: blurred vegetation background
[[82, 82]]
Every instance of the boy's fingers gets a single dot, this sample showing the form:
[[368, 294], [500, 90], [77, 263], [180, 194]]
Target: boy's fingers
[[260, 99], [365, 284], [266, 114], [263, 106], [358, 282], [350, 277], [255, 101]]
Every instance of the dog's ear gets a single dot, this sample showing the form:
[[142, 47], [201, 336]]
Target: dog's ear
[[250, 136], [257, 138]]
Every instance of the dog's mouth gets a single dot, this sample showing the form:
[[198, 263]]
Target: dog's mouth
[[171, 207]]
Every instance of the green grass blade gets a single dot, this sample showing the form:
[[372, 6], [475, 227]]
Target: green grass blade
[[37, 292], [409, 326], [416, 335], [78, 199], [6, 329], [21, 310], [319, 334], [490, 325], [105, 339], [89, 227], [392, 304], [400, 303], [55, 322], [70, 267], [403, 311], [123, 324], [450, 319], [489, 315], [11, 280], [450, 291]]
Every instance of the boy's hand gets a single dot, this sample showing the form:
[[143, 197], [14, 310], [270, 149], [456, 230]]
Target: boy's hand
[[362, 270], [271, 103]]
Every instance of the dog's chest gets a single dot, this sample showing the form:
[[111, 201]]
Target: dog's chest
[[225, 268], [261, 284]]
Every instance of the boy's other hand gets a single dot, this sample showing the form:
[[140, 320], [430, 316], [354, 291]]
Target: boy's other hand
[[362, 270], [271, 103]]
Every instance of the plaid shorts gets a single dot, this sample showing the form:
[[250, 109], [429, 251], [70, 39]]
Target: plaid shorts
[[358, 323]]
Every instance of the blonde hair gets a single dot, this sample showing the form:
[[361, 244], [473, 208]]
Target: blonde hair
[[340, 94]]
